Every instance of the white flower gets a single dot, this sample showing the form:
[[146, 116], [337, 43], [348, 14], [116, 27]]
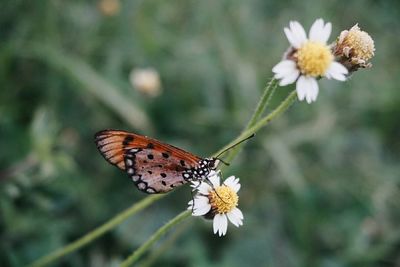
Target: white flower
[[308, 59], [218, 202], [146, 81]]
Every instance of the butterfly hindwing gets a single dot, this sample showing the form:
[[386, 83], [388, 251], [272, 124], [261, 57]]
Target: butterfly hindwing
[[152, 172]]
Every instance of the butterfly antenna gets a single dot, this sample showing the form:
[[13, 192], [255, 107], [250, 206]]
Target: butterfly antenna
[[224, 162], [232, 146]]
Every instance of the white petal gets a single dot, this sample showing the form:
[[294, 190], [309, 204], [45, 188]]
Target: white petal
[[201, 206], [298, 34], [214, 179], [238, 214], [290, 78], [214, 173], [316, 30], [336, 71], [311, 89], [301, 88], [285, 70], [292, 40], [284, 67], [326, 32], [307, 88], [235, 218], [233, 183], [315, 90], [220, 224], [204, 188], [202, 210], [200, 200]]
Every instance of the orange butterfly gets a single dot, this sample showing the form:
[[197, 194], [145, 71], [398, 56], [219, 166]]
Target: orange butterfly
[[154, 167]]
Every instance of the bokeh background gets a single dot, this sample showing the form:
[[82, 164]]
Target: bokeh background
[[320, 185]]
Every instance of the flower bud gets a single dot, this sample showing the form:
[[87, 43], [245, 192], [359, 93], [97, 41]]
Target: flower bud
[[146, 81]]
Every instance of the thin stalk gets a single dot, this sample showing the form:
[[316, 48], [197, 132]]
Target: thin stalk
[[164, 246], [89, 237], [263, 102], [157, 235], [261, 106], [283, 106]]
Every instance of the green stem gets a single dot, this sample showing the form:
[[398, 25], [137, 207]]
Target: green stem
[[261, 106], [155, 255], [89, 237], [264, 121], [263, 103], [157, 235]]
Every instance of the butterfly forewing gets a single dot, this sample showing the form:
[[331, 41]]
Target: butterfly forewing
[[155, 167]]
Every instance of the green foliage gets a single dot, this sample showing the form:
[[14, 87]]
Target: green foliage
[[319, 185]]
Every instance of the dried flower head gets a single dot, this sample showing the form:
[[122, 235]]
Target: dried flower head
[[354, 48]]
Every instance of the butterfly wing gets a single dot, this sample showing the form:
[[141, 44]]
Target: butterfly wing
[[155, 167]]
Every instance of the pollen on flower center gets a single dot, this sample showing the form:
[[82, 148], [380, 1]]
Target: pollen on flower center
[[223, 199], [314, 58]]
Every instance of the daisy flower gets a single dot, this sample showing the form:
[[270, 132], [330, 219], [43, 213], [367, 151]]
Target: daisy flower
[[217, 201], [308, 59]]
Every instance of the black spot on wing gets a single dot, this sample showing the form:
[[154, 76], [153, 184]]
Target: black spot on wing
[[127, 140], [150, 146]]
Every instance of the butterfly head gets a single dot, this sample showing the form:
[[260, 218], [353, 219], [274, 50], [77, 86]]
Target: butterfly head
[[204, 168], [212, 163]]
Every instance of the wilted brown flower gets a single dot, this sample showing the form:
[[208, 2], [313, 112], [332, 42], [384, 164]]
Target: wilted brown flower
[[354, 48]]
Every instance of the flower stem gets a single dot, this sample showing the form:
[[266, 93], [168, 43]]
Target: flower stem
[[261, 106], [89, 237], [263, 103], [157, 235], [264, 121]]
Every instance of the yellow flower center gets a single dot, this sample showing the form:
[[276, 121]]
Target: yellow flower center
[[223, 199], [314, 58], [361, 43]]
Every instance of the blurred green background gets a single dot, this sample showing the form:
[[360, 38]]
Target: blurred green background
[[320, 185]]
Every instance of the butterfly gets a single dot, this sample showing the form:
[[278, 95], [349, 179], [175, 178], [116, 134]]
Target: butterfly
[[154, 166]]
